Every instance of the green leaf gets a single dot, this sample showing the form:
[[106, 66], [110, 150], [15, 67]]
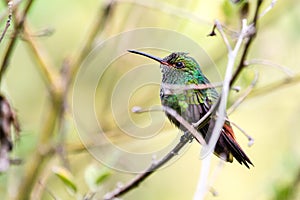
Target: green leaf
[[102, 176], [66, 177], [94, 176]]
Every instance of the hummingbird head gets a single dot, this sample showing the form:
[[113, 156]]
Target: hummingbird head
[[176, 68]]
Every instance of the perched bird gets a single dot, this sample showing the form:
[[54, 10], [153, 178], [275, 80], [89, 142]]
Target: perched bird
[[179, 69]]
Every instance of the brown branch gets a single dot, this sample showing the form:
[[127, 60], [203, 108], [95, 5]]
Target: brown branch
[[183, 141], [13, 40], [98, 25], [139, 178], [54, 118], [154, 166], [9, 6], [252, 34], [14, 6], [44, 66]]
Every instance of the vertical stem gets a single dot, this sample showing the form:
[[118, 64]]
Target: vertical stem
[[39, 157]]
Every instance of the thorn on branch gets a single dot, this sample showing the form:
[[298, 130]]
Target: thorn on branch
[[213, 32]]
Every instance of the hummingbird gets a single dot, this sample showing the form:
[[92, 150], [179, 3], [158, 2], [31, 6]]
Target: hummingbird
[[180, 69]]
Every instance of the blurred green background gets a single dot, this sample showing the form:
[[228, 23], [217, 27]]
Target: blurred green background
[[272, 116]]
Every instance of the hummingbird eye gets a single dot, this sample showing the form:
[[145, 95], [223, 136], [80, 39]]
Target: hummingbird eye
[[179, 65]]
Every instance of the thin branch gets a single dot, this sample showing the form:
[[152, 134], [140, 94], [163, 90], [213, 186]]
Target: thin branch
[[232, 55], [45, 67], [183, 122], [275, 86], [228, 81], [244, 96], [251, 34], [52, 195], [154, 166], [221, 110], [178, 117], [40, 158], [173, 88], [98, 25], [282, 68], [183, 141], [202, 181], [13, 40], [247, 31], [249, 137], [207, 114], [169, 9], [270, 7], [215, 174], [220, 29], [6, 12], [9, 6]]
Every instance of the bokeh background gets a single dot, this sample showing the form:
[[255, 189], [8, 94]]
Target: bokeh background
[[270, 114]]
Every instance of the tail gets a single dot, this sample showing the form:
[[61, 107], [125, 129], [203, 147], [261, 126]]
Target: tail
[[232, 148]]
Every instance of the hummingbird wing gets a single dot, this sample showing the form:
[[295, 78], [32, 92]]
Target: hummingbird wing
[[199, 102]]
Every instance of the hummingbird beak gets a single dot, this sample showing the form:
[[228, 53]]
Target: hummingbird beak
[[160, 60]]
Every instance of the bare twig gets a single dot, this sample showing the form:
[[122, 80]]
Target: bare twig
[[178, 117], [172, 88], [220, 29], [6, 12], [275, 86], [169, 9], [183, 141], [207, 115], [40, 157], [9, 6], [247, 31], [244, 96], [52, 195], [215, 174], [202, 181], [154, 166], [98, 25], [272, 4], [44, 65], [225, 91], [250, 139], [221, 110], [184, 123], [284, 69], [13, 40], [251, 34]]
